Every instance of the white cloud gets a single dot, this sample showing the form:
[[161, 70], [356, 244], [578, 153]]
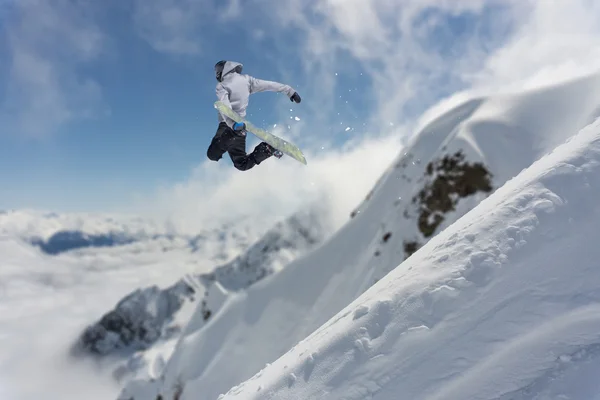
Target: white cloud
[[553, 41], [47, 43], [389, 40], [233, 9], [182, 27], [170, 26]]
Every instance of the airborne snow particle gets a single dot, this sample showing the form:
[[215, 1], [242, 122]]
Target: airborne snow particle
[[347, 129], [297, 119]]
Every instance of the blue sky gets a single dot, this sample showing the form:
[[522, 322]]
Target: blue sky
[[103, 102]]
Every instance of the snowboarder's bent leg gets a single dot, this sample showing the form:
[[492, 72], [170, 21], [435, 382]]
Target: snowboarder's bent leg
[[243, 161], [226, 140], [220, 142], [237, 152], [262, 151]]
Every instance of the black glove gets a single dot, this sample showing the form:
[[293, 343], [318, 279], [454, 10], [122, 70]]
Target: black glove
[[296, 97]]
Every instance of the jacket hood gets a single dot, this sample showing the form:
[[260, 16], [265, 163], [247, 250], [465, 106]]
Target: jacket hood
[[230, 66]]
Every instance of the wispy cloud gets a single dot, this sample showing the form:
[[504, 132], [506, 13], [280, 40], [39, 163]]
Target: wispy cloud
[[48, 42], [552, 41], [171, 26], [412, 51]]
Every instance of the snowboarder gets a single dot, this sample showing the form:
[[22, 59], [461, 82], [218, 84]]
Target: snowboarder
[[234, 89]]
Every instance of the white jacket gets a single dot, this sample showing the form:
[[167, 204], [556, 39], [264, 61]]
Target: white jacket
[[235, 89]]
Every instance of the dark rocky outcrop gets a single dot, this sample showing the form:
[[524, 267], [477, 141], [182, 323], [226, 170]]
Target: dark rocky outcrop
[[449, 179], [410, 247], [137, 321]]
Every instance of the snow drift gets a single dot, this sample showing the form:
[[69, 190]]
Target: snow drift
[[451, 165]]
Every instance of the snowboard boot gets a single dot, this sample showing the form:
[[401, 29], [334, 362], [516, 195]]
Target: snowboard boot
[[263, 151], [273, 151], [277, 153]]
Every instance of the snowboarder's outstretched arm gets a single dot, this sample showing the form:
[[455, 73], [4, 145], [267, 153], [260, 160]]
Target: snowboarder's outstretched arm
[[259, 85]]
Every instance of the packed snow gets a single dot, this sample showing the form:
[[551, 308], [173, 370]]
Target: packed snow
[[451, 165]]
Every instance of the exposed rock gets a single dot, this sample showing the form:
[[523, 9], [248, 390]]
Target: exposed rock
[[451, 178], [137, 321], [410, 247]]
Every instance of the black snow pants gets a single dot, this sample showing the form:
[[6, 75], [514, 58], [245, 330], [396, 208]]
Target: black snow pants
[[226, 140]]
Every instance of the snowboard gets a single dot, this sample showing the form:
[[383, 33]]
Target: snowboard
[[280, 144]]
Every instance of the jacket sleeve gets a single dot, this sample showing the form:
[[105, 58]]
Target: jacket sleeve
[[223, 95], [259, 85]]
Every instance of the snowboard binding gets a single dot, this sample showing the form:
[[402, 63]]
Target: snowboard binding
[[277, 153]]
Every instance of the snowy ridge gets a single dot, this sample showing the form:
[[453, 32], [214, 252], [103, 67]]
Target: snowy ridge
[[451, 165], [504, 304], [143, 325], [460, 157], [279, 246]]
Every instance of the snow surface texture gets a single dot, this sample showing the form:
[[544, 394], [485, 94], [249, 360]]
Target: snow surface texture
[[153, 317], [451, 165], [504, 304]]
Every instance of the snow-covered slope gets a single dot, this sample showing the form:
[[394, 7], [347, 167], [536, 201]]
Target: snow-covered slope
[[452, 163], [504, 304], [143, 325]]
